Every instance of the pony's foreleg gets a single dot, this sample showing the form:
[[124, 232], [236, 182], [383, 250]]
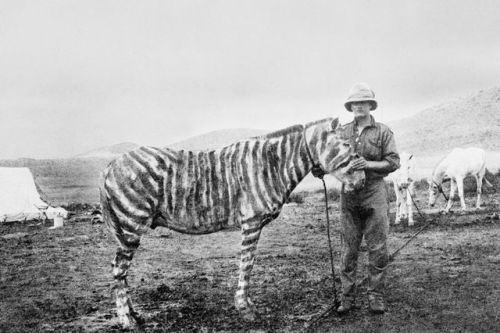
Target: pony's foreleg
[[460, 186], [126, 314], [479, 181], [453, 187], [250, 236], [409, 202]]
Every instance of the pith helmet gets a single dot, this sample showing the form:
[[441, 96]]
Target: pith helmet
[[360, 92]]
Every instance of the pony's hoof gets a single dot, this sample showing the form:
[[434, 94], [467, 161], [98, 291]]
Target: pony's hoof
[[126, 323], [140, 320], [131, 322], [248, 315]]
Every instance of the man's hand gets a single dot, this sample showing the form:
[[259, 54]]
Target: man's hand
[[358, 164], [317, 171]]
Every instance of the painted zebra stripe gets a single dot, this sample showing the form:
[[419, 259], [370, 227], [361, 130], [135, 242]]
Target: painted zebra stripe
[[214, 191], [225, 190], [243, 164], [168, 195], [125, 206]]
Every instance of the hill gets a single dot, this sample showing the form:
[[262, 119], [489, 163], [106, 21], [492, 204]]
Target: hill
[[216, 139], [109, 152], [473, 120], [207, 141]]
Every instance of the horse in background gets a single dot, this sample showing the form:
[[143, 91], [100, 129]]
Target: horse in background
[[403, 180], [457, 165]]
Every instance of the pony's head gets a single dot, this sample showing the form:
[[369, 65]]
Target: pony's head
[[435, 187], [328, 147], [404, 175]]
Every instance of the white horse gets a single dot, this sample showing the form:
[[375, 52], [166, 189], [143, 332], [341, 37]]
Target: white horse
[[461, 162], [404, 186]]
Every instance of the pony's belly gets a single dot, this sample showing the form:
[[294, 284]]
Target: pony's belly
[[194, 226]]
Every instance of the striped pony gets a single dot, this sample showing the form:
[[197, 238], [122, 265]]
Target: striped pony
[[242, 185]]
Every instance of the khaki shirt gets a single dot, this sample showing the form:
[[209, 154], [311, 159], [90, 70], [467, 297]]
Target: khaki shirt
[[375, 143]]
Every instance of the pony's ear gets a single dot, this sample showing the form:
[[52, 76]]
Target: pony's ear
[[335, 124], [411, 155]]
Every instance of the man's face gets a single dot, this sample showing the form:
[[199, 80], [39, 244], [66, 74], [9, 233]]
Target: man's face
[[361, 109]]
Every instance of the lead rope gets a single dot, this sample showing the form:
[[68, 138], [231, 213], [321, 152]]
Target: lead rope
[[440, 188], [336, 303], [335, 299]]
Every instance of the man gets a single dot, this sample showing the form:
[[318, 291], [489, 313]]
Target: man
[[364, 212]]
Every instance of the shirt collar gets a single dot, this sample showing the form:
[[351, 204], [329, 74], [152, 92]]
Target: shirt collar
[[372, 122]]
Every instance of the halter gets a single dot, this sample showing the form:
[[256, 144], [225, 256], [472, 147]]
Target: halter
[[440, 188]]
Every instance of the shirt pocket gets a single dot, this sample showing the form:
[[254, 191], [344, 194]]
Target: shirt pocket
[[373, 150]]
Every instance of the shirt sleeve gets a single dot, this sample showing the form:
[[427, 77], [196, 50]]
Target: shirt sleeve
[[389, 150]]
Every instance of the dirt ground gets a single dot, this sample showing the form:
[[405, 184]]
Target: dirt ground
[[59, 280]]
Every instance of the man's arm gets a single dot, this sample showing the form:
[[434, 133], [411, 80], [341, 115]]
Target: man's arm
[[389, 151], [390, 157], [383, 166]]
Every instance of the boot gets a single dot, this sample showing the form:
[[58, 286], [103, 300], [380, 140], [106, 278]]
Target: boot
[[377, 305]]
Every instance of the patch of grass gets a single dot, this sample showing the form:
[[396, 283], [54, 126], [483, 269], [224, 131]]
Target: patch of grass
[[422, 184], [297, 198], [332, 194]]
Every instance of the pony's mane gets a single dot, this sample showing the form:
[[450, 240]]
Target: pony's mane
[[281, 132], [291, 129], [312, 123], [437, 165]]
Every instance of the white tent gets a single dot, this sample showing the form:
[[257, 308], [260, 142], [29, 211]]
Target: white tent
[[19, 198]]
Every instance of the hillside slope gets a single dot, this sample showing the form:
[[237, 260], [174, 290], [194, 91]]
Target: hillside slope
[[109, 152], [469, 121], [216, 139], [207, 141]]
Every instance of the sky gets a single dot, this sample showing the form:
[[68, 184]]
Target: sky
[[78, 75]]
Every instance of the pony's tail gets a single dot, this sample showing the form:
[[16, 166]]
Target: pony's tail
[[127, 238], [485, 181]]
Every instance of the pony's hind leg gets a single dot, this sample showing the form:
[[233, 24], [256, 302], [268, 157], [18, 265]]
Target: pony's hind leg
[[127, 316], [128, 240]]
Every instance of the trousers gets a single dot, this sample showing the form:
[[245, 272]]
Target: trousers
[[365, 213]]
